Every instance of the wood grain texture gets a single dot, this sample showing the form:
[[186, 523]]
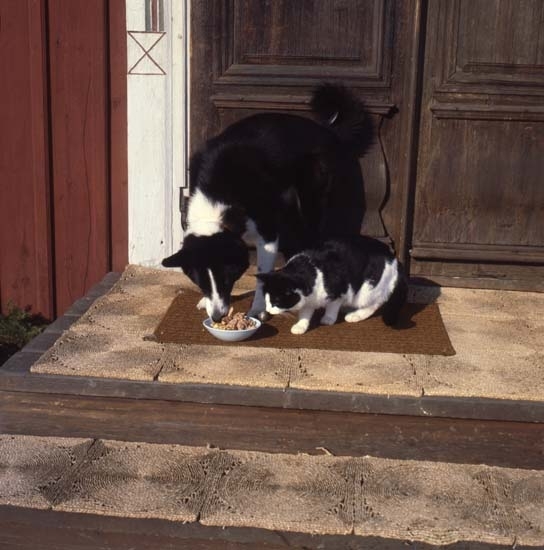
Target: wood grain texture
[[286, 43], [479, 252], [118, 128], [26, 277], [479, 274], [79, 106], [479, 197], [63, 214], [29, 529], [508, 444], [494, 47]]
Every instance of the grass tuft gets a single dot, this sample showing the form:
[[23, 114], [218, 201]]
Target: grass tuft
[[17, 328]]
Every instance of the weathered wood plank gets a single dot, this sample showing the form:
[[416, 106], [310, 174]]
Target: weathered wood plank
[[78, 39], [26, 267], [27, 529], [15, 376], [118, 134], [479, 194], [509, 444]]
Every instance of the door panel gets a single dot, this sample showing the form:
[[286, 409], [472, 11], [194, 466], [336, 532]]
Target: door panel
[[282, 41], [251, 56], [480, 188]]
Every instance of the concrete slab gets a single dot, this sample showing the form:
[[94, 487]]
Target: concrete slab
[[30, 467], [496, 304], [129, 479], [345, 371], [229, 365]]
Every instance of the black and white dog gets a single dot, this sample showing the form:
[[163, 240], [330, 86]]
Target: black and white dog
[[279, 181]]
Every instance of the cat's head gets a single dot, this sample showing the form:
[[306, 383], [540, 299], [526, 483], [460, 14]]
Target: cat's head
[[282, 292]]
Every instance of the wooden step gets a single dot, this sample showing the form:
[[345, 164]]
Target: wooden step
[[269, 429], [94, 487], [495, 375]]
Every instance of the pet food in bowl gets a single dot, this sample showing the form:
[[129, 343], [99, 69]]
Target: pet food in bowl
[[233, 327]]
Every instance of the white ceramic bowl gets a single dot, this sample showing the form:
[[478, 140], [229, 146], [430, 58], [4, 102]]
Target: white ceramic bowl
[[231, 335]]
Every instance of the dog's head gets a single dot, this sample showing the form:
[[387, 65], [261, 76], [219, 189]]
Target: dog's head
[[214, 263]]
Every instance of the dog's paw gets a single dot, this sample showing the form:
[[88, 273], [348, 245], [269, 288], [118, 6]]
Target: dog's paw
[[201, 304], [257, 309], [260, 314], [327, 320], [263, 316], [300, 328]]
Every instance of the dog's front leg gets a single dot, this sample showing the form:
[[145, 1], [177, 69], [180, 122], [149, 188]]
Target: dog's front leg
[[266, 258]]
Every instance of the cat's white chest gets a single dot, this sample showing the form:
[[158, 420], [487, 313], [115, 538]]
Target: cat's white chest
[[317, 298], [319, 294]]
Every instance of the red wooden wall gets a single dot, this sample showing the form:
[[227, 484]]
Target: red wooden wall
[[63, 168]]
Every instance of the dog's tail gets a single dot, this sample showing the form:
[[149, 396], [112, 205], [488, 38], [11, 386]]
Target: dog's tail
[[391, 309], [345, 114]]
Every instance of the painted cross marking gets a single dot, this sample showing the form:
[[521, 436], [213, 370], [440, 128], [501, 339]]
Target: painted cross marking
[[146, 49]]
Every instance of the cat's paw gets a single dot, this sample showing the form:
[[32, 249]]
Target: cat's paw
[[328, 320], [201, 303], [300, 328], [353, 317], [358, 315]]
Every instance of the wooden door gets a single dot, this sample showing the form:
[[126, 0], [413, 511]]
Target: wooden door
[[267, 55], [479, 201], [456, 178]]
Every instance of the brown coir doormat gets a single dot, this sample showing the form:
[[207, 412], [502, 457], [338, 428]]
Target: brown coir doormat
[[419, 330]]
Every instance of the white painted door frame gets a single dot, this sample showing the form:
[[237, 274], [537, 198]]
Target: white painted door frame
[[157, 125]]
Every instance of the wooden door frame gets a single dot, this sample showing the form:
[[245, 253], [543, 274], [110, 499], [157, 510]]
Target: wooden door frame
[[118, 135], [410, 141]]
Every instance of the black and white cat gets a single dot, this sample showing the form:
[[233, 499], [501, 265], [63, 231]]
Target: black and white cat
[[359, 273]]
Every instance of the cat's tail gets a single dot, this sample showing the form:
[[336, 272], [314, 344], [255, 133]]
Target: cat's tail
[[346, 115], [392, 307]]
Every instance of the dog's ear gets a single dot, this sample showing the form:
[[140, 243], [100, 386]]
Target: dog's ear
[[263, 277], [178, 259]]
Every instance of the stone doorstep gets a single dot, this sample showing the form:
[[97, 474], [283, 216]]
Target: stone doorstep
[[430, 502], [496, 334]]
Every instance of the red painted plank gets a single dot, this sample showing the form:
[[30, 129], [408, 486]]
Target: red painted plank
[[78, 34], [25, 252], [118, 135]]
